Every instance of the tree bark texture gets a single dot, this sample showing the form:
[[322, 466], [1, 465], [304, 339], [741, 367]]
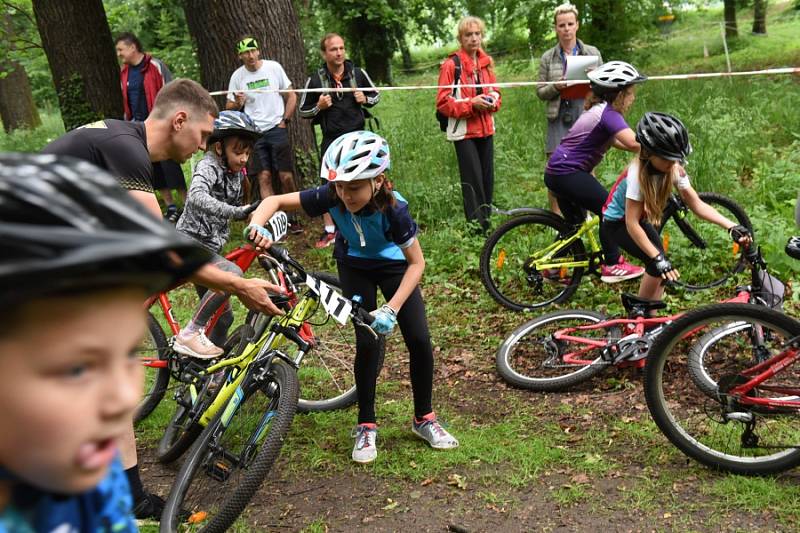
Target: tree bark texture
[[217, 26], [730, 19], [17, 109], [79, 48], [760, 17]]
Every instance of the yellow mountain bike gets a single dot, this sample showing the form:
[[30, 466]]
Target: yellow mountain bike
[[246, 420], [536, 258]]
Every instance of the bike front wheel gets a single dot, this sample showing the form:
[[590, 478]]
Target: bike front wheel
[[507, 263], [704, 251], [532, 358], [191, 400], [153, 349], [691, 369], [234, 453]]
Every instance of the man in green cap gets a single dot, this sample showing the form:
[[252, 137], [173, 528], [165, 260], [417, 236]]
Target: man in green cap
[[271, 111]]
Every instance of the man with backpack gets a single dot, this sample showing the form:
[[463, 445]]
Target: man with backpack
[[337, 112]]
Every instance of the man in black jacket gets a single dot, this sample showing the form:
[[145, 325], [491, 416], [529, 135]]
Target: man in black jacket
[[337, 112]]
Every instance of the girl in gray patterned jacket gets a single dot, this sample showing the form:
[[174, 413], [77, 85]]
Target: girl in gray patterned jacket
[[215, 197]]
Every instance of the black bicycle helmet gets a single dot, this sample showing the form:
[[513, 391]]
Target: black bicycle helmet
[[793, 247], [233, 123], [66, 225], [613, 76], [664, 136]]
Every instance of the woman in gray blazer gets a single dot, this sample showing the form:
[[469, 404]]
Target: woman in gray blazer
[[564, 104]]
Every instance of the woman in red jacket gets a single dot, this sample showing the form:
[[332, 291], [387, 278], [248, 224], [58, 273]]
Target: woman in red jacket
[[470, 118]]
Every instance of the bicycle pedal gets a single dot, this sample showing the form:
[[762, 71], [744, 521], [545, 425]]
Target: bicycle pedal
[[218, 471]]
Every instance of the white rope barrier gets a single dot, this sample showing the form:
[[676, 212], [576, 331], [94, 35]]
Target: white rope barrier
[[695, 76]]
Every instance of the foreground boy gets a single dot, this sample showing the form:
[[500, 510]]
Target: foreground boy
[[79, 257]]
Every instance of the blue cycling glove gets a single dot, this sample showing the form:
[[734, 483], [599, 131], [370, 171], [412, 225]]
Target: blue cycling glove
[[385, 320], [261, 230]]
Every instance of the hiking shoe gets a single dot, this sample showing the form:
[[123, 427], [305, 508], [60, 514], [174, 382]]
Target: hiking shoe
[[432, 431], [325, 240], [151, 506], [620, 272], [364, 450], [196, 345]]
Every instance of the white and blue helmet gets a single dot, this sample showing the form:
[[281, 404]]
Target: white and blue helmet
[[358, 155]]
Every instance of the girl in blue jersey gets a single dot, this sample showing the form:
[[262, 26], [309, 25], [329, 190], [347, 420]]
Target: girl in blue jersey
[[376, 247], [636, 202]]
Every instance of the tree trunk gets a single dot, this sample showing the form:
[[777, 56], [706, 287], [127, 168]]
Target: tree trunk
[[17, 109], [79, 48], [275, 26], [760, 17], [405, 53], [730, 19], [378, 64]]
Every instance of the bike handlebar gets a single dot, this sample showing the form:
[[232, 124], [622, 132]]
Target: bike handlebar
[[360, 316]]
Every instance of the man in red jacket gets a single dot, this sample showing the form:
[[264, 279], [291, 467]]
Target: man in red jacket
[[141, 77]]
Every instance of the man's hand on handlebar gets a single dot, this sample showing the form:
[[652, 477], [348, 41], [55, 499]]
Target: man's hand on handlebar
[[254, 294]]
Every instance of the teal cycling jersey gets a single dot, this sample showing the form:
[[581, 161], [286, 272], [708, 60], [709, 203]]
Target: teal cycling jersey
[[369, 238]]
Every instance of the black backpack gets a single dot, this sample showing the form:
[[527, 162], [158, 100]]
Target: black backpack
[[371, 122], [456, 78]]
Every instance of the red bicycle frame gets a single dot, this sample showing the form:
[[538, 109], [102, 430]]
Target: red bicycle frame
[[630, 326], [243, 257]]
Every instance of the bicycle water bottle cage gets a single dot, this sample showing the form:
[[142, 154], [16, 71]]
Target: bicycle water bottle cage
[[636, 306]]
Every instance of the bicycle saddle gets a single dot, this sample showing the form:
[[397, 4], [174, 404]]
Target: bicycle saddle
[[631, 302], [793, 247]]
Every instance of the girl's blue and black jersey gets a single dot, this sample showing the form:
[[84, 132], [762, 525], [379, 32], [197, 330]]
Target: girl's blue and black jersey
[[367, 239]]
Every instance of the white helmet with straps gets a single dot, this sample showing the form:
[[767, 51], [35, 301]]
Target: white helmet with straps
[[358, 155], [614, 76]]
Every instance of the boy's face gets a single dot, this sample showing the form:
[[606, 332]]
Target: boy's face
[[69, 383]]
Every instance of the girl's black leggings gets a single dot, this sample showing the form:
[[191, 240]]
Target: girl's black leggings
[[413, 325], [618, 231], [580, 192]]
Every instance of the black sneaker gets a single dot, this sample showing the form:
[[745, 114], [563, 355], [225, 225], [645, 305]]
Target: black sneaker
[[295, 228], [151, 506]]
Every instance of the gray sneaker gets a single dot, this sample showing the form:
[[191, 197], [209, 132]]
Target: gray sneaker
[[433, 432], [364, 450]]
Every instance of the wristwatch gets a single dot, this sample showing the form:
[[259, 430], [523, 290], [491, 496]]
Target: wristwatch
[[286, 120]]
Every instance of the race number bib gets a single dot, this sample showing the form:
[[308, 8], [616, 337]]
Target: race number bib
[[279, 224], [334, 303]]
